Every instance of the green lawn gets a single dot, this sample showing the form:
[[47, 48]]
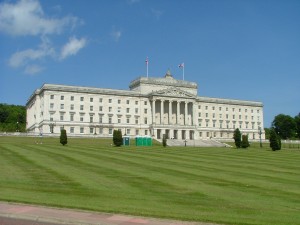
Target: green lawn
[[221, 185]]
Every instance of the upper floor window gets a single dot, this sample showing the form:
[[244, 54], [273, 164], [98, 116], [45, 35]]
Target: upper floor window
[[51, 96], [72, 98], [91, 99], [82, 99], [62, 97]]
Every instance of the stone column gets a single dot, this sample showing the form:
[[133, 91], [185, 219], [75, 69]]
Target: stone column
[[170, 112], [178, 113], [153, 111], [162, 112], [185, 113]]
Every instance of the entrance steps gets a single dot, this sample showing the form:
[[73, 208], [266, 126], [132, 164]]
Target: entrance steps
[[196, 143]]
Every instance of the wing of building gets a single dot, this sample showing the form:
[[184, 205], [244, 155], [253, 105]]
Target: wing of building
[[152, 106]]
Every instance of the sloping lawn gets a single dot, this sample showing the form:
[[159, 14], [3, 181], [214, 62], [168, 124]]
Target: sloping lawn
[[220, 185]]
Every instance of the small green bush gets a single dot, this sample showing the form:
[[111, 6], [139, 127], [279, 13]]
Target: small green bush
[[63, 137]]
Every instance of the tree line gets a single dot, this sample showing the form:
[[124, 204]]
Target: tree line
[[285, 126], [12, 118]]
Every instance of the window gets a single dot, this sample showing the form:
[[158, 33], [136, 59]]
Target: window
[[72, 117], [51, 105], [72, 107], [145, 120], [100, 119], [62, 97], [136, 132], [145, 102], [91, 99], [82, 99], [100, 130], [214, 115], [199, 107], [136, 102], [146, 132], [62, 106], [110, 100], [206, 114], [91, 108], [72, 99], [239, 110], [199, 114], [127, 110], [119, 109], [61, 117], [81, 130], [136, 110], [128, 120], [81, 118], [232, 109], [110, 109], [100, 99], [110, 120], [72, 130], [119, 101], [91, 130], [213, 108], [145, 111], [206, 107], [91, 119], [127, 102], [200, 134], [136, 121], [110, 131], [128, 131], [119, 120], [51, 96], [220, 108], [233, 116], [100, 108], [81, 107]]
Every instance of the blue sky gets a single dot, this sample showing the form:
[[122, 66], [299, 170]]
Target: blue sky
[[248, 50]]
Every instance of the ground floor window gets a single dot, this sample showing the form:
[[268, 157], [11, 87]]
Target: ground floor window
[[110, 131], [71, 130], [81, 130]]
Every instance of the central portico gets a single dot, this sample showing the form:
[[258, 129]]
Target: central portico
[[172, 105]]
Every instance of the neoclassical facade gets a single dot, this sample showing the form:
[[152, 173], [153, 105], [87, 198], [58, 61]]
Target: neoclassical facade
[[151, 106]]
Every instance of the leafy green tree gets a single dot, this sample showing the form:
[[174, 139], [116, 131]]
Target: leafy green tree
[[12, 118], [245, 142], [63, 137], [237, 137], [297, 121], [267, 133], [285, 126], [117, 138], [164, 140], [275, 141]]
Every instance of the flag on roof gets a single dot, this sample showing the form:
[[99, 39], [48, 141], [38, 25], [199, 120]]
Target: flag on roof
[[181, 65]]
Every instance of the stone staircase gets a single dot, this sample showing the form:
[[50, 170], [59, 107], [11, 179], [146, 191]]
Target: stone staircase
[[196, 143]]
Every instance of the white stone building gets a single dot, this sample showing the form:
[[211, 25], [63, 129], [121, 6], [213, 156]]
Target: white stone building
[[152, 106]]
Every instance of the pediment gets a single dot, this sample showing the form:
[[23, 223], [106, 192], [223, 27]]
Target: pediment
[[173, 92]]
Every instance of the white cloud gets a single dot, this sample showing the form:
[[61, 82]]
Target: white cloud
[[26, 17], [72, 47], [22, 58], [33, 69], [157, 13], [116, 35]]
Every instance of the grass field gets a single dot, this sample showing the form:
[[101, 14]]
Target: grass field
[[220, 185]]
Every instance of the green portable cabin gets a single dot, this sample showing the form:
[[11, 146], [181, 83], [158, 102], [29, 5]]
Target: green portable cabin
[[126, 140]]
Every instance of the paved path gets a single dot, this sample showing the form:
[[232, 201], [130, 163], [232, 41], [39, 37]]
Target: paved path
[[22, 214]]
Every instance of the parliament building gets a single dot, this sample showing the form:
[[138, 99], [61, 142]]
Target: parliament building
[[152, 106]]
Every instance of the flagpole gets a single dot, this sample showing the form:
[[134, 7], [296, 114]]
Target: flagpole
[[183, 72], [147, 62]]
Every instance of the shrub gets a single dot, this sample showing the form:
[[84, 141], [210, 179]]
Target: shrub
[[237, 137], [245, 142], [164, 141], [275, 141], [117, 138], [63, 137]]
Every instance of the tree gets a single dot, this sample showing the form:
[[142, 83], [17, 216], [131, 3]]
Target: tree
[[275, 141], [285, 126], [63, 137], [117, 138], [164, 140], [245, 142], [297, 121], [237, 137]]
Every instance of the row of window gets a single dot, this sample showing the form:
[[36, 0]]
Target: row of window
[[109, 131], [228, 126], [109, 120], [227, 116], [101, 108], [221, 135], [227, 109], [91, 99]]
